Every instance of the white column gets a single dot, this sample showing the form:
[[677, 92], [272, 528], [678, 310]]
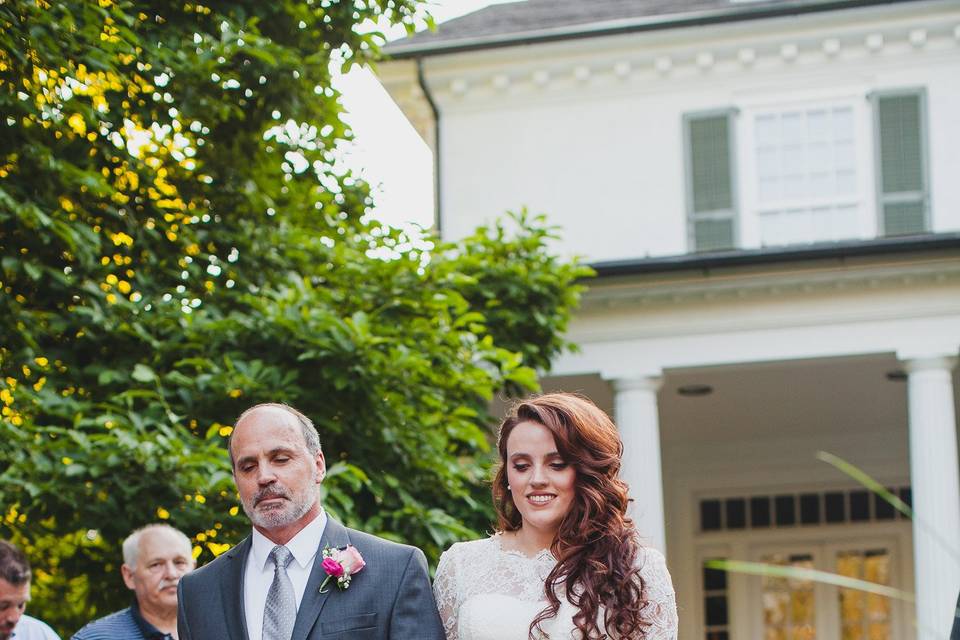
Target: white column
[[635, 408], [935, 481]]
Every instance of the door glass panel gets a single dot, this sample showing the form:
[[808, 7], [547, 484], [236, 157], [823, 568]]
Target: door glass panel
[[788, 603], [864, 616]]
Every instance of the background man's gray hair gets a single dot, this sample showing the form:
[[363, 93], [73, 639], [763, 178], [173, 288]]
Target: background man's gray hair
[[14, 567], [310, 437], [131, 546]]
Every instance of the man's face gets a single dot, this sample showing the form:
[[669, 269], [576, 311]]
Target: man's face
[[13, 600], [162, 559], [276, 475]]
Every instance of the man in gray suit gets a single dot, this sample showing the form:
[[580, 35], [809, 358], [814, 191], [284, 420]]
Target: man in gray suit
[[274, 585]]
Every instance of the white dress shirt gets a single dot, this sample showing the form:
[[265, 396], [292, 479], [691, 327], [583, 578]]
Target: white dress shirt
[[260, 569], [32, 629]]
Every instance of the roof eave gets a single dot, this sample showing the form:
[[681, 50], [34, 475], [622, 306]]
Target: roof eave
[[399, 51], [927, 243]]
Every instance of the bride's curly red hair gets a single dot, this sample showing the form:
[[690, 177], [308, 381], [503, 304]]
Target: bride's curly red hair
[[596, 545]]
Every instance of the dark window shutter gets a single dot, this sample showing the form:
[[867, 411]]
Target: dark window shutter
[[901, 163], [711, 198]]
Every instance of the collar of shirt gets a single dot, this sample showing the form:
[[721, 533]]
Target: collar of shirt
[[303, 546], [148, 631]]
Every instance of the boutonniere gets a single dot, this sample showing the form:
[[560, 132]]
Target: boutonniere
[[341, 564]]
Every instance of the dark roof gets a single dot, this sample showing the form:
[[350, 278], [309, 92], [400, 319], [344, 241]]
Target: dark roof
[[545, 20], [926, 243]]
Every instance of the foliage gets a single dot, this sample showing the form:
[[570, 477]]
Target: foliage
[[175, 245]]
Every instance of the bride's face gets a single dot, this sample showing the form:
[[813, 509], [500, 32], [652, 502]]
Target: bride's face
[[541, 482]]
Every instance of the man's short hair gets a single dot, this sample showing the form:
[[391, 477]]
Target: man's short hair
[[310, 437], [14, 567], [131, 545]]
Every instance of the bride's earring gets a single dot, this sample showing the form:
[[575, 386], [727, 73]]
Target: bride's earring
[[508, 488]]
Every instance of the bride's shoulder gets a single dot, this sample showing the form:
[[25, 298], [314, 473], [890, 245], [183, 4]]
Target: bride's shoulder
[[650, 561], [472, 548]]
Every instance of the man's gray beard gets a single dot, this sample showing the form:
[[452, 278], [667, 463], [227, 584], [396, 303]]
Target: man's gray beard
[[276, 518]]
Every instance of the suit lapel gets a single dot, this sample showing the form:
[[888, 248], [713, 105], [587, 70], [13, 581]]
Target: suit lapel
[[334, 535], [232, 590]]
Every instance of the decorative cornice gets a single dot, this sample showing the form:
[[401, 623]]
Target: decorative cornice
[[692, 60], [714, 288]]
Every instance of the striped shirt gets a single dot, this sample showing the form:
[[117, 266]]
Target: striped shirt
[[127, 624]]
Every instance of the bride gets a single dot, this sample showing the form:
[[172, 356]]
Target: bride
[[566, 561]]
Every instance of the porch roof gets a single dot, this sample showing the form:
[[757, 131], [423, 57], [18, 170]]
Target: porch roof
[[926, 243]]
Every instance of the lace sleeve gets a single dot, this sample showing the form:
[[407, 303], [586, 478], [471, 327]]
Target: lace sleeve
[[661, 608], [445, 591]]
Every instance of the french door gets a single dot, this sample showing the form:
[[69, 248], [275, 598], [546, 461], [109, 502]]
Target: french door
[[801, 608]]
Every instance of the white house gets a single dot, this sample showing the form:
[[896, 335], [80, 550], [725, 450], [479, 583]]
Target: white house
[[770, 194]]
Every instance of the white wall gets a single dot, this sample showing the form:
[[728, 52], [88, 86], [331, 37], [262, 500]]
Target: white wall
[[590, 131]]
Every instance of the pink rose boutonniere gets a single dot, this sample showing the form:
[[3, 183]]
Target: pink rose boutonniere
[[341, 564]]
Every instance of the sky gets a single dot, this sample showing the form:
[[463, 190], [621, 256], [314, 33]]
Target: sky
[[387, 152]]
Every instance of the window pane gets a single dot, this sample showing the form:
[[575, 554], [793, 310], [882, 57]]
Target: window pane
[[864, 615], [786, 510], [883, 509], [789, 604], [710, 515], [835, 507], [859, 506], [714, 579], [906, 495], [819, 125], [736, 513], [760, 511], [810, 508], [716, 609]]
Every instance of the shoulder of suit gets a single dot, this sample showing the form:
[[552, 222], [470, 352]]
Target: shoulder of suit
[[362, 539], [213, 567]]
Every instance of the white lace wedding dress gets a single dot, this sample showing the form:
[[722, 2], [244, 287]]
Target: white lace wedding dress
[[486, 592]]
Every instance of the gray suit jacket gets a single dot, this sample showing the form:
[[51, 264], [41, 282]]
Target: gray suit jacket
[[389, 599]]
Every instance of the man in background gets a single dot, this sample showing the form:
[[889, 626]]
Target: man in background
[[14, 595], [154, 559]]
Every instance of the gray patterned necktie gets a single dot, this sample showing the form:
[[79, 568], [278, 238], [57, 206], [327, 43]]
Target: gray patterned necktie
[[280, 612]]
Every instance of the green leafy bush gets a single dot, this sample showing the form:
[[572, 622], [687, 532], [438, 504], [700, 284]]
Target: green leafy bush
[[175, 246]]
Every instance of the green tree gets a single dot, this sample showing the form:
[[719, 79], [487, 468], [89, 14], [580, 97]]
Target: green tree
[[175, 246]]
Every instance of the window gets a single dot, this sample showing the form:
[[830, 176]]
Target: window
[[901, 162], [789, 603], [711, 196], [806, 189], [864, 615], [715, 607], [808, 174], [805, 509]]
